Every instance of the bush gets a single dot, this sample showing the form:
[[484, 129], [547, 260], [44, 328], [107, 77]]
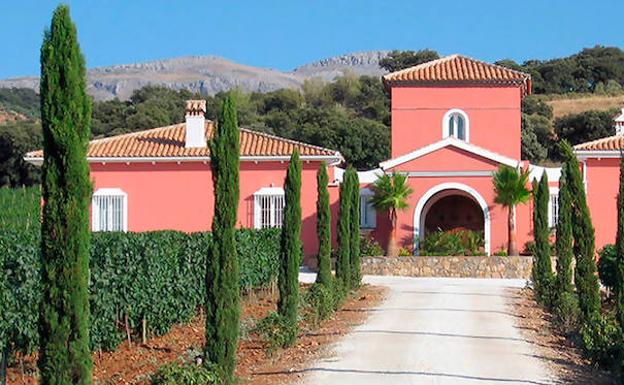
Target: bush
[[403, 252], [602, 338], [277, 331], [320, 302], [566, 313], [454, 242], [186, 374], [607, 266], [369, 247], [157, 276]]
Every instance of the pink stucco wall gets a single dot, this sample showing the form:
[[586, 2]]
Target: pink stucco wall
[[603, 176], [174, 196], [493, 112]]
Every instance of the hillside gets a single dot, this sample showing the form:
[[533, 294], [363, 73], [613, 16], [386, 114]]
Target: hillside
[[574, 105], [211, 74]]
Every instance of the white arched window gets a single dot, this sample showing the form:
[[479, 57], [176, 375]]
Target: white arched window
[[456, 124]]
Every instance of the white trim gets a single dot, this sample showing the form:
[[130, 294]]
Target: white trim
[[269, 191], [367, 210], [449, 173], [449, 141], [332, 159], [420, 209], [552, 191], [584, 154], [446, 119], [95, 212], [270, 194]]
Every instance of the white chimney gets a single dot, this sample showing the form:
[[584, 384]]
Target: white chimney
[[619, 123], [195, 124]]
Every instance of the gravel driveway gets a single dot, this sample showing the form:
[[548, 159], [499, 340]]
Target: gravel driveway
[[434, 331]]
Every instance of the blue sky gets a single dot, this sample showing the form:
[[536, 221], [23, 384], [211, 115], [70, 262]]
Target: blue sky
[[285, 34]]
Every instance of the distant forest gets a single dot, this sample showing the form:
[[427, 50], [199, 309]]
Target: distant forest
[[350, 114]]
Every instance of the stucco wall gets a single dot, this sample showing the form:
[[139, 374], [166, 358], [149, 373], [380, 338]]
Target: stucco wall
[[172, 196], [493, 112], [462, 266], [602, 189]]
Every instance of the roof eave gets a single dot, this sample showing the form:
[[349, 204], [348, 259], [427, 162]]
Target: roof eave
[[585, 154]]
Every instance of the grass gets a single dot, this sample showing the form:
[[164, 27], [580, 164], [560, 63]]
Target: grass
[[20, 207], [577, 103]]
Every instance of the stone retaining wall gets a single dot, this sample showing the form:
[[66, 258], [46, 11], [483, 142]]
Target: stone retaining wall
[[461, 266]]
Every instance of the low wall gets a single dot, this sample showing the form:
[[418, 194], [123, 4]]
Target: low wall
[[461, 266]]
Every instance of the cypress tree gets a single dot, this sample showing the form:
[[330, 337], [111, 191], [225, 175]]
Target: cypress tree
[[619, 248], [290, 248], [64, 354], [542, 269], [564, 239], [585, 277], [323, 228], [354, 218], [343, 262], [222, 271]]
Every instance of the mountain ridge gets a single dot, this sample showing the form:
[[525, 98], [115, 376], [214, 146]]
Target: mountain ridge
[[211, 74]]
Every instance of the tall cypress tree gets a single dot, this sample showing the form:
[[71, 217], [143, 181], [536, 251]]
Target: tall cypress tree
[[564, 239], [323, 228], [585, 277], [290, 243], [619, 248], [64, 354], [542, 269], [343, 262], [354, 218], [222, 271]]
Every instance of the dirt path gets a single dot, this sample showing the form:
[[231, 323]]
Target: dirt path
[[435, 331]]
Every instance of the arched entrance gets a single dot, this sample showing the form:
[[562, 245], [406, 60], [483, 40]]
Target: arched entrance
[[448, 206]]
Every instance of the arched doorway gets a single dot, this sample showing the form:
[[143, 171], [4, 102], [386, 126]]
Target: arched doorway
[[449, 206]]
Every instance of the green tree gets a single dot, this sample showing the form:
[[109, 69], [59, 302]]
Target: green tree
[[619, 248], [354, 217], [564, 240], [391, 194], [343, 261], [542, 268], [585, 277], [222, 271], [64, 354], [290, 245], [510, 187], [323, 228], [585, 126], [16, 139], [398, 60]]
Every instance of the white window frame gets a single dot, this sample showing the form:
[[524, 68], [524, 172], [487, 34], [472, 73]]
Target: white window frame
[[446, 123], [95, 209], [275, 197], [553, 215], [368, 214]]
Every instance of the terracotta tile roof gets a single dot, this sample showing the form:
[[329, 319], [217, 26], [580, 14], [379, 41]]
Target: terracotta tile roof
[[610, 143], [459, 69], [169, 142]]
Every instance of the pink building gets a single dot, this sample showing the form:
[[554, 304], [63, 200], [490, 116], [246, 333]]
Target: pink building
[[454, 121], [600, 163]]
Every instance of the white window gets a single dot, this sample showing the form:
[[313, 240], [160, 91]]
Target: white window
[[109, 210], [553, 207], [368, 214], [456, 124], [268, 207]]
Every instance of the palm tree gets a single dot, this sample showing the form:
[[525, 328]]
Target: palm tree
[[510, 186], [391, 194]]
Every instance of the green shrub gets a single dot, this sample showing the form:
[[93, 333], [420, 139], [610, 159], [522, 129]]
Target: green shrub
[[369, 247], [602, 339], [454, 242], [566, 313], [607, 266], [277, 331], [320, 302], [403, 252], [185, 374], [500, 253]]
